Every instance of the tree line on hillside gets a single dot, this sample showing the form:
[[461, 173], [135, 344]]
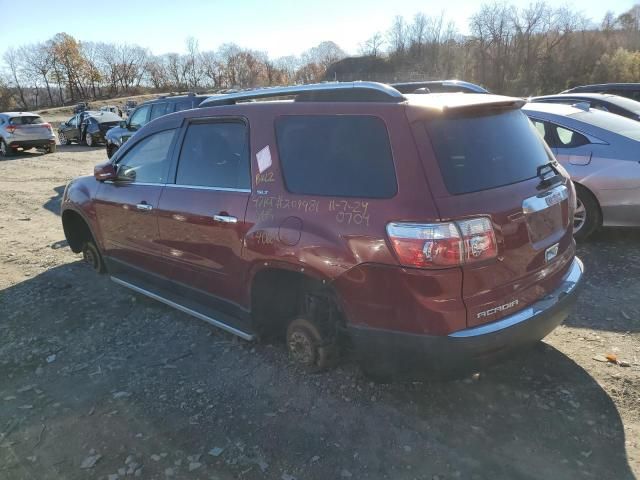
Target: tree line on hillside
[[510, 50]]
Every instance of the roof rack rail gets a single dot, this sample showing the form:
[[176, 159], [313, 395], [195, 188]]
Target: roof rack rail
[[328, 92]]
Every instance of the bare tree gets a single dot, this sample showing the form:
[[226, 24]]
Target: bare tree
[[373, 46]]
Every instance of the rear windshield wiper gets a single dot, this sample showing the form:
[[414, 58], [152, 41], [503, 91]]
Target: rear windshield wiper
[[548, 175]]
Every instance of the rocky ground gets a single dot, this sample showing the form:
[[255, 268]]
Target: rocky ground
[[97, 382]]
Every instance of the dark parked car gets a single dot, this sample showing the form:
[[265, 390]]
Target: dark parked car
[[314, 220], [129, 106], [146, 112], [629, 90], [439, 86], [599, 101], [88, 127], [81, 107]]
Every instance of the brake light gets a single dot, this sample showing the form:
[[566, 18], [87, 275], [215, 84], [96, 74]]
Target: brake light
[[11, 128], [445, 244], [48, 125]]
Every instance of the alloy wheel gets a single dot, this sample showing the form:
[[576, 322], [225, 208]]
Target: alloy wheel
[[62, 138], [579, 216], [89, 139]]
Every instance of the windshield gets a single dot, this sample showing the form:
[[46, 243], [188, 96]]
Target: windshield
[[609, 121], [486, 151], [24, 120]]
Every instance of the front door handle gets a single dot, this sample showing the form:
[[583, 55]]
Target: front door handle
[[225, 219], [144, 207]]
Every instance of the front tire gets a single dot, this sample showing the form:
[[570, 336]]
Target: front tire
[[92, 257], [587, 217]]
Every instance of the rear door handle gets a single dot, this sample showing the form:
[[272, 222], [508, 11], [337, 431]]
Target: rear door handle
[[144, 207], [225, 219]]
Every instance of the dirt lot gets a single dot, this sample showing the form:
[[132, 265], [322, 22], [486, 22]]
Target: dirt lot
[[97, 382]]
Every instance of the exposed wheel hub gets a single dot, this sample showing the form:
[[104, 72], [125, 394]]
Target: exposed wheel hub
[[301, 348]]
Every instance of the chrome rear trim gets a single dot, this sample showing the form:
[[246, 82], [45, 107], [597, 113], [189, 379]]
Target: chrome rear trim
[[177, 306], [569, 283], [545, 200]]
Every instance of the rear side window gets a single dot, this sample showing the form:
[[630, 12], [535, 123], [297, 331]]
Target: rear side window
[[479, 152], [215, 154], [336, 155]]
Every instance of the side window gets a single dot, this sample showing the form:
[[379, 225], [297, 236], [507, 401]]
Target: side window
[[148, 160], [73, 121], [336, 155], [568, 138], [539, 127], [215, 155], [158, 110], [139, 117], [184, 105]]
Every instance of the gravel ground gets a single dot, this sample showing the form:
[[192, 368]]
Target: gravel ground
[[97, 382]]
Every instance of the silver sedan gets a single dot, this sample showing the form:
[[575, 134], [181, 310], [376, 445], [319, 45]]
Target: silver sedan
[[601, 152]]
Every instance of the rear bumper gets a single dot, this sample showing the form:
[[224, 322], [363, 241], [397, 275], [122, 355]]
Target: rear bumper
[[410, 355], [32, 143]]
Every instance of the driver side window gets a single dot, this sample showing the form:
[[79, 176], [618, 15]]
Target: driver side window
[[74, 121], [148, 160]]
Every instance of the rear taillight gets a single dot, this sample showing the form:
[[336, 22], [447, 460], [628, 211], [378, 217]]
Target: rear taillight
[[11, 128], [441, 245], [48, 125]]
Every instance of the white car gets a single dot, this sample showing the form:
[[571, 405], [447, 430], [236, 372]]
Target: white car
[[601, 151], [24, 130]]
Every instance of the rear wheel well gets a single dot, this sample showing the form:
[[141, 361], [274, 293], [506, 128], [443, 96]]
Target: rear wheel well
[[278, 296], [76, 230], [579, 186]]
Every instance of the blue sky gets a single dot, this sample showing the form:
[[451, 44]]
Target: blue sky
[[278, 27]]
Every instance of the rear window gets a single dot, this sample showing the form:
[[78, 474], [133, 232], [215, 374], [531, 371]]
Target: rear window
[[479, 152], [626, 103], [336, 155], [612, 122], [26, 120]]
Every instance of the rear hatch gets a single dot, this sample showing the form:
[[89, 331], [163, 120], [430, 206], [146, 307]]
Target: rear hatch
[[106, 126], [30, 128], [494, 164]]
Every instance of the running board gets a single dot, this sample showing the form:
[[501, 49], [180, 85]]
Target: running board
[[207, 318]]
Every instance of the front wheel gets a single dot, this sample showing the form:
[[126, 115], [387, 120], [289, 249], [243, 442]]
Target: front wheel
[[92, 256], [89, 140], [587, 216]]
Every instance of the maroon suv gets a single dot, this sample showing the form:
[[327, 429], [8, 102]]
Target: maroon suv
[[428, 232]]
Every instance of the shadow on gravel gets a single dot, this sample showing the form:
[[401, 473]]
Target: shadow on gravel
[[132, 377], [609, 300], [54, 203]]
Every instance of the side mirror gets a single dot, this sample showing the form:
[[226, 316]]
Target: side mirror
[[105, 171], [123, 124]]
